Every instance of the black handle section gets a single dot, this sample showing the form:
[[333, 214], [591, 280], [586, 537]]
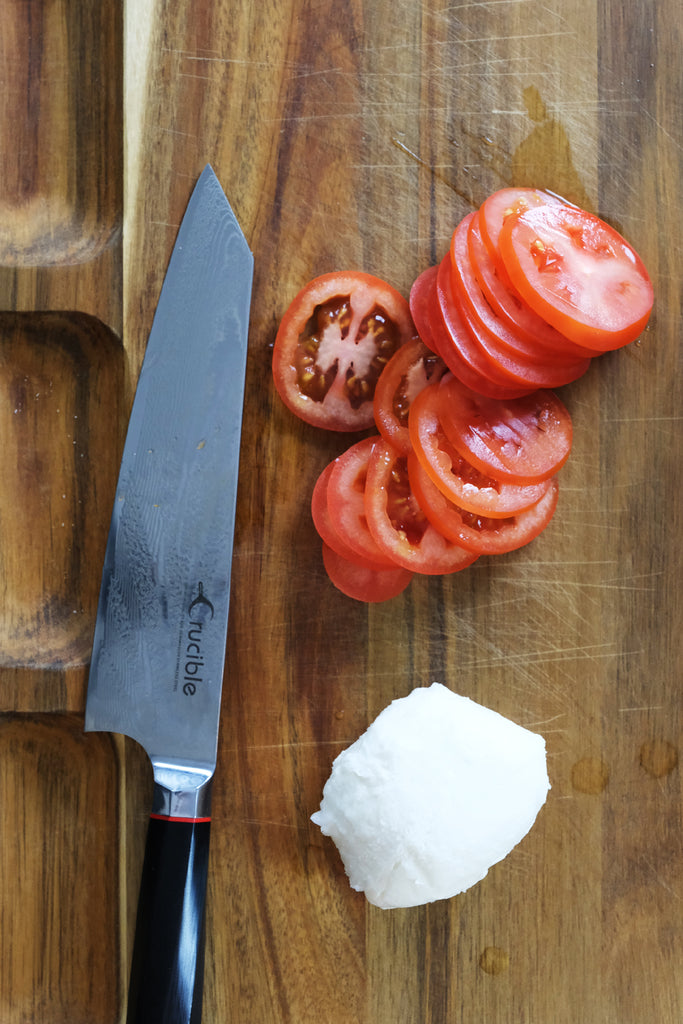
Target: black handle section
[[167, 973]]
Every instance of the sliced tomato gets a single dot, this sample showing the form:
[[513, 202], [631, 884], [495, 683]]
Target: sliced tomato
[[579, 274], [346, 504], [480, 534], [361, 582], [408, 371], [510, 352], [397, 522], [333, 342], [321, 520], [523, 370], [540, 337], [497, 209], [522, 440], [420, 301], [462, 355], [457, 478]]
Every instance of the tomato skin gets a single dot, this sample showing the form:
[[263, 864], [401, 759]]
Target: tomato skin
[[408, 371], [467, 487], [361, 582], [346, 486], [523, 440], [579, 274], [481, 535], [499, 344], [399, 525], [323, 524], [420, 301], [331, 345], [460, 351]]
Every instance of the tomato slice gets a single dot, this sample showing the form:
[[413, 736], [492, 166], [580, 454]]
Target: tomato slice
[[481, 535], [361, 582], [579, 274], [522, 440], [497, 209], [321, 520], [460, 352], [508, 306], [515, 357], [333, 342], [346, 504], [420, 301], [466, 486], [408, 371], [397, 522]]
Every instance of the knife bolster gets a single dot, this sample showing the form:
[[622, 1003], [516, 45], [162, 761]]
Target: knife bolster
[[181, 792]]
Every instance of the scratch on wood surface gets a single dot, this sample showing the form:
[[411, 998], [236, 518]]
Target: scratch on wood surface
[[589, 652], [644, 707], [658, 878]]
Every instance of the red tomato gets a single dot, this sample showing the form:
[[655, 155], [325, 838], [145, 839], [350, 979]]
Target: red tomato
[[497, 209], [481, 535], [509, 351], [408, 371], [522, 440], [346, 504], [421, 298], [508, 306], [333, 343], [362, 583], [464, 485], [397, 522], [460, 352], [326, 531], [579, 274]]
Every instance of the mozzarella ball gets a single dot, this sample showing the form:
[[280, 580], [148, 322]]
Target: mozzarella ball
[[434, 792]]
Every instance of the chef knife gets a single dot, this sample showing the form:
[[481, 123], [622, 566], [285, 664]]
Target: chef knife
[[161, 629]]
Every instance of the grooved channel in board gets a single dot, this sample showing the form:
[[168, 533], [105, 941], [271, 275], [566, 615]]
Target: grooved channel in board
[[60, 388]]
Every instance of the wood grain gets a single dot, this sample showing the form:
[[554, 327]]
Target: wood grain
[[355, 135]]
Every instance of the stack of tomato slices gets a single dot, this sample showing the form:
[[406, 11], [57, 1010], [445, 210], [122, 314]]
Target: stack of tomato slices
[[450, 475], [531, 289], [457, 383]]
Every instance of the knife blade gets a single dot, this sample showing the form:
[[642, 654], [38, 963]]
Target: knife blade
[[161, 629]]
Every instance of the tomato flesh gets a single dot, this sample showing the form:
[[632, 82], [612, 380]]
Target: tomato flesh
[[333, 343], [362, 583], [461, 482], [398, 523], [535, 333], [579, 274], [346, 503], [320, 514], [522, 440], [408, 371], [500, 206], [479, 534]]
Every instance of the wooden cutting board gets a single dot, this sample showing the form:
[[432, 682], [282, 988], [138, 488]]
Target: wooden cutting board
[[345, 136]]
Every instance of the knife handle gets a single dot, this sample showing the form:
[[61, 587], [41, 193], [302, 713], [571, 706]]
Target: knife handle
[[166, 981]]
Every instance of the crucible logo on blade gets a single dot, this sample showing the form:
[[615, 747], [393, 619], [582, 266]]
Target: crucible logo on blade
[[200, 611]]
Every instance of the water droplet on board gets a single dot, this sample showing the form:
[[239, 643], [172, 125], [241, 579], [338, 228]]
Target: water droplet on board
[[590, 775], [658, 757], [494, 960]]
